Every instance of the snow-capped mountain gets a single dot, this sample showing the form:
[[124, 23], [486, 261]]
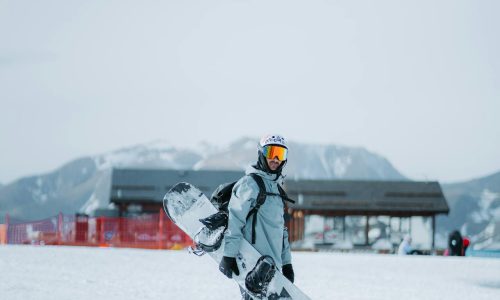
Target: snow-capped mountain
[[83, 185], [474, 208], [308, 161], [64, 189], [158, 154]]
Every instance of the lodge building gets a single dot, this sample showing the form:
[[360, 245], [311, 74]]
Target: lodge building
[[141, 191]]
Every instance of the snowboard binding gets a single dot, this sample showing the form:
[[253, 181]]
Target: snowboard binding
[[209, 237], [215, 221], [258, 279]]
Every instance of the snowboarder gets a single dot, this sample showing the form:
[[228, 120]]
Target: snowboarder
[[455, 244], [269, 234], [405, 246]]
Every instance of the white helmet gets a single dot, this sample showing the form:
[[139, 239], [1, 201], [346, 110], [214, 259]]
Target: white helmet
[[268, 140], [272, 139]]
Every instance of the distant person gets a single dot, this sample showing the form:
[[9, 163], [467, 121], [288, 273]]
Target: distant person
[[466, 244], [265, 229], [455, 244], [405, 246]]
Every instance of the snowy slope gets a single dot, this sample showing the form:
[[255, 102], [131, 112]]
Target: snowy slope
[[123, 274]]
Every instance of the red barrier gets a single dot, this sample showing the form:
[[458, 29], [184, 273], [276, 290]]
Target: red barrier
[[147, 231]]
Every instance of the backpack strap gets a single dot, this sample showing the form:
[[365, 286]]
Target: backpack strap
[[261, 198], [283, 195]]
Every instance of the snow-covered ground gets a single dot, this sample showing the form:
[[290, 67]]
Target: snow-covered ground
[[31, 272]]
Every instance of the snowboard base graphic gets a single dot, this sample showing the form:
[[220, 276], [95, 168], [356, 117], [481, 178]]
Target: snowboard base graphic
[[186, 205]]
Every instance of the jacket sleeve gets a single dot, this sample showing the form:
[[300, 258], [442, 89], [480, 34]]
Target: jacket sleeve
[[242, 199], [286, 256]]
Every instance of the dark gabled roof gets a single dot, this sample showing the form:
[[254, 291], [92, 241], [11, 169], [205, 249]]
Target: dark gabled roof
[[334, 197], [343, 197], [150, 185]]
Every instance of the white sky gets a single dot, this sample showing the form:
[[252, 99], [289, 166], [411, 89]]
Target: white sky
[[414, 81]]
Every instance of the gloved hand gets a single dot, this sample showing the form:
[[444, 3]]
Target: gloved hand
[[288, 272], [228, 265]]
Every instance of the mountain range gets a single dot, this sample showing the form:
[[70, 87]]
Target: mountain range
[[82, 185], [474, 208]]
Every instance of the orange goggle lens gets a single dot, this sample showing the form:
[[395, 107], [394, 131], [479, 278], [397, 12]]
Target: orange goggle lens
[[271, 152]]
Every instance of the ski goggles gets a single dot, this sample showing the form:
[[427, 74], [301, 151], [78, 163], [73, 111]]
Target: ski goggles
[[273, 151]]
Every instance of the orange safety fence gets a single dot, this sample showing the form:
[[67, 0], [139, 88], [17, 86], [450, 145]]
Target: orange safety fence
[[154, 231], [3, 234]]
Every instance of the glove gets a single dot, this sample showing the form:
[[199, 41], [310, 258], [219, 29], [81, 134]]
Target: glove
[[228, 265], [288, 272]]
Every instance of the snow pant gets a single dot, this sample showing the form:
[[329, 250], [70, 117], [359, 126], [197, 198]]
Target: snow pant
[[455, 244]]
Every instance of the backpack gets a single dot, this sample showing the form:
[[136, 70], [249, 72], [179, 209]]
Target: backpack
[[220, 199]]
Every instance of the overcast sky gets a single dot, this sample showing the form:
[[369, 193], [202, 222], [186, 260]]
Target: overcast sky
[[417, 82]]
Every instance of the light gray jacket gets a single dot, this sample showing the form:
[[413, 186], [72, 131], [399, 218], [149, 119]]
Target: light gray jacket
[[271, 235]]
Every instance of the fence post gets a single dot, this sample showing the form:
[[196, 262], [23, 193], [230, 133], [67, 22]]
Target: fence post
[[160, 230], [104, 221], [59, 228], [7, 221]]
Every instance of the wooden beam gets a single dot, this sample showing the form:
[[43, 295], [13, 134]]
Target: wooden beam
[[433, 246], [343, 228], [367, 229]]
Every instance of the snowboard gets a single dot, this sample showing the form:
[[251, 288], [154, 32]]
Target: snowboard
[[185, 205]]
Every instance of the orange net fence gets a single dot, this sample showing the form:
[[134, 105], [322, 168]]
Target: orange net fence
[[153, 231]]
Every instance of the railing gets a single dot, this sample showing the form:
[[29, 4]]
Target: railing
[[153, 231]]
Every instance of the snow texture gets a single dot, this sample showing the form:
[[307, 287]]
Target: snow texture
[[34, 272]]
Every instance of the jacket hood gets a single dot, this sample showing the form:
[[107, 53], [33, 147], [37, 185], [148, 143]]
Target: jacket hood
[[269, 176]]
